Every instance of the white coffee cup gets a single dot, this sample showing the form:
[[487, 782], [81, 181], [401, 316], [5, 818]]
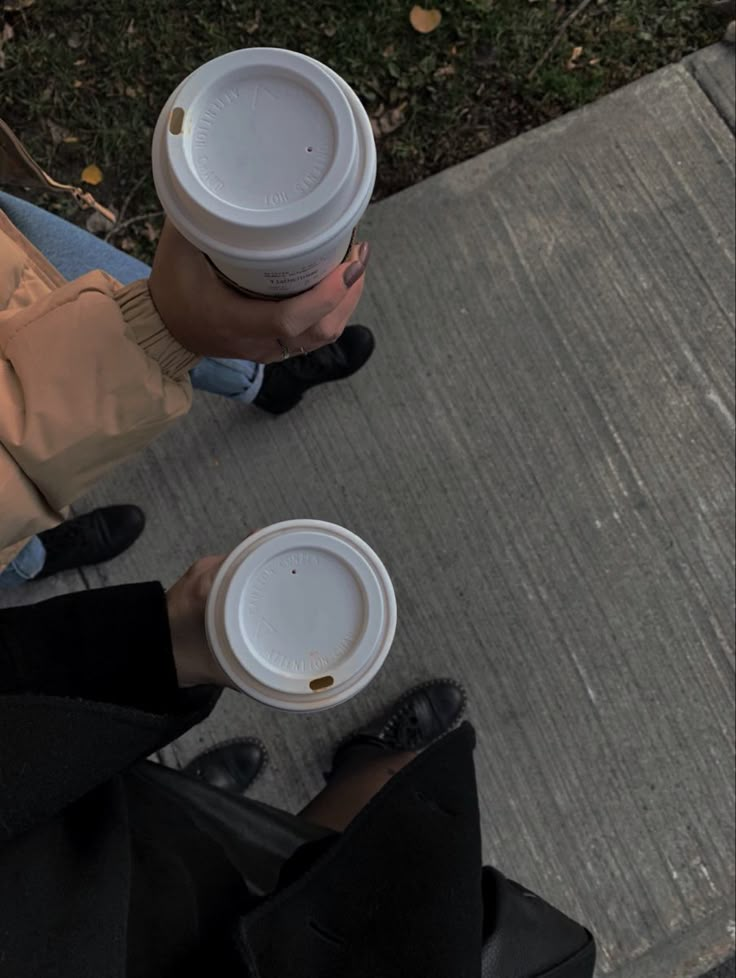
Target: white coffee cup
[[302, 615], [265, 160]]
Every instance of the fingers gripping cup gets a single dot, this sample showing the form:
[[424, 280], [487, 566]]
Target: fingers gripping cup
[[264, 159], [302, 615]]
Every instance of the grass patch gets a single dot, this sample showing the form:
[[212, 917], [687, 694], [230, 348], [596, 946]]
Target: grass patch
[[85, 86]]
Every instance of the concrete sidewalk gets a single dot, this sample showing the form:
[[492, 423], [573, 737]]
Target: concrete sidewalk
[[542, 451]]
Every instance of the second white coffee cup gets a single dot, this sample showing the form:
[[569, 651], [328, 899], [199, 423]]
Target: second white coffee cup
[[265, 160], [302, 615]]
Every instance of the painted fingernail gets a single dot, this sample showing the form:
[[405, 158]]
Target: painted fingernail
[[364, 253], [353, 273]]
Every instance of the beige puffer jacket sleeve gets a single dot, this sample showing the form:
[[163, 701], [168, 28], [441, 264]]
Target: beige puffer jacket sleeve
[[89, 376]]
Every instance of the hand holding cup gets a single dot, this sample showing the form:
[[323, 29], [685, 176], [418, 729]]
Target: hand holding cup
[[209, 318]]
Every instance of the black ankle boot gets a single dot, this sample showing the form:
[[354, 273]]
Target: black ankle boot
[[232, 766], [91, 539], [415, 721], [285, 383]]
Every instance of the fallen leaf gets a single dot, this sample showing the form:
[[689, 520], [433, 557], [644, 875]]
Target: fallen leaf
[[329, 30], [132, 92], [74, 40], [97, 223], [150, 232], [252, 26], [622, 26], [12, 6], [58, 133], [79, 62], [385, 121], [390, 51], [71, 139], [127, 244], [7, 35], [574, 58], [446, 71], [594, 61], [92, 174], [77, 83], [425, 21], [130, 29]]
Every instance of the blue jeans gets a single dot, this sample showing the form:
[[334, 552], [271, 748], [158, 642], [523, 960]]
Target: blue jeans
[[74, 252], [27, 565]]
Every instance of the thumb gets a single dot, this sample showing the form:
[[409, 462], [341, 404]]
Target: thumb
[[303, 311]]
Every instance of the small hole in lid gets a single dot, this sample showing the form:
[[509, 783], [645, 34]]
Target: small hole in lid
[[310, 149], [176, 121], [325, 682]]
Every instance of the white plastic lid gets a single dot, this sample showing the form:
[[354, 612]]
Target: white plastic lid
[[302, 615], [263, 150]]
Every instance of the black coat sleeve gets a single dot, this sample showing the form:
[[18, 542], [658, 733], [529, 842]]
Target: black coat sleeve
[[110, 645], [87, 688]]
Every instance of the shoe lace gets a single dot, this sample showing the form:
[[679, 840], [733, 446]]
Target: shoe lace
[[64, 537]]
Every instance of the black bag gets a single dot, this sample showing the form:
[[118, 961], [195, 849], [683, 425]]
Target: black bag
[[525, 937]]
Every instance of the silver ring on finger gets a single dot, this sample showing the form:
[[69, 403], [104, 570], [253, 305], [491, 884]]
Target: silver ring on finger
[[285, 351]]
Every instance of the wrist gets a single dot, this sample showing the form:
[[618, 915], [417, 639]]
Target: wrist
[[186, 603], [193, 660]]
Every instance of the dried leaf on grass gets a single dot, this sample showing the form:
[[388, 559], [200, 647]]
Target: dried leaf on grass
[[59, 134], [425, 21], [92, 174], [252, 26], [13, 6], [574, 58], [7, 35], [97, 223], [385, 121], [150, 232]]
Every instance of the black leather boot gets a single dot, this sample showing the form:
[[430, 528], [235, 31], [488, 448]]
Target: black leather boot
[[285, 383], [91, 539], [232, 766], [415, 721]]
